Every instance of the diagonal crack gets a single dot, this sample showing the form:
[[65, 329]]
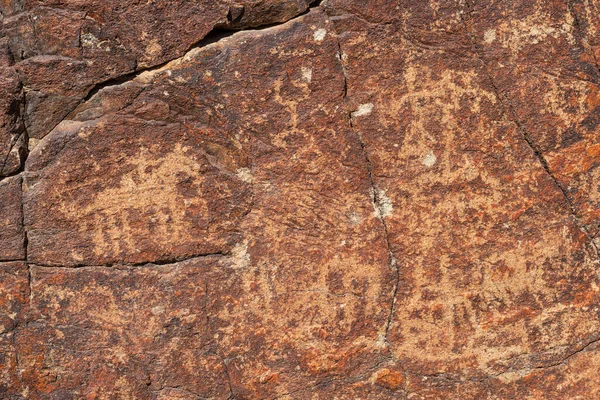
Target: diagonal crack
[[509, 112], [25, 244], [25, 238], [378, 203], [455, 378], [227, 375], [572, 354], [219, 32], [25, 235]]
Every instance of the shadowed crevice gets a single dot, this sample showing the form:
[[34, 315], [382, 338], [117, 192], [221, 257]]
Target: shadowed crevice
[[166, 261]]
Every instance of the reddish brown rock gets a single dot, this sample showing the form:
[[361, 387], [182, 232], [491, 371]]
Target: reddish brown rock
[[14, 292], [12, 240], [168, 331], [12, 135], [13, 295], [375, 200], [64, 49], [131, 332], [586, 17], [554, 96], [573, 377], [177, 182], [493, 267], [228, 157]]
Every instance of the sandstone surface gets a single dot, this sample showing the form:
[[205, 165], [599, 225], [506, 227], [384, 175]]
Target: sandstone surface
[[288, 199]]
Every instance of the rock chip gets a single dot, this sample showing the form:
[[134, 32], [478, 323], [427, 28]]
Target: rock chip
[[64, 49], [13, 139]]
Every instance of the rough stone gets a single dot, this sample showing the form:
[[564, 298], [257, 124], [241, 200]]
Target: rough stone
[[64, 49], [371, 200], [441, 145], [12, 134], [14, 293], [12, 240], [562, 75], [301, 241]]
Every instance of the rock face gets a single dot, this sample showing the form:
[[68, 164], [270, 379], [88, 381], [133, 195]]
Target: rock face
[[12, 235], [64, 48], [345, 199], [13, 138]]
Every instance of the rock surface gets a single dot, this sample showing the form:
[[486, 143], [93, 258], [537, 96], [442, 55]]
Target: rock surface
[[13, 137], [366, 200], [12, 235], [64, 49]]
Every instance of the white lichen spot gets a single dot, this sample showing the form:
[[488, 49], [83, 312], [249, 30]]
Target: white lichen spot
[[84, 133], [319, 35], [382, 204], [307, 74], [539, 32], [489, 36], [76, 256], [429, 160], [381, 341], [33, 142], [241, 258], [355, 219], [191, 55], [362, 110], [157, 310], [245, 175], [88, 40]]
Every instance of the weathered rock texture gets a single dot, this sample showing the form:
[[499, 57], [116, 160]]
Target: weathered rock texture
[[284, 199]]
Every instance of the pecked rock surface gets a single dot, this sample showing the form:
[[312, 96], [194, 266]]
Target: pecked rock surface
[[345, 199]]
